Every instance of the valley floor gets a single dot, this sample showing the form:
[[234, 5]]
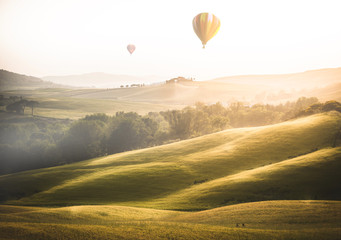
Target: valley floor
[[261, 220]]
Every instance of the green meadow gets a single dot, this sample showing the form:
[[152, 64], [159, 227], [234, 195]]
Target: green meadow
[[75, 108], [262, 220], [282, 181], [74, 104]]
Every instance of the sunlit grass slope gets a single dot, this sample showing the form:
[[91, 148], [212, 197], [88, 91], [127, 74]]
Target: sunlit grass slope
[[262, 220], [291, 160], [311, 176]]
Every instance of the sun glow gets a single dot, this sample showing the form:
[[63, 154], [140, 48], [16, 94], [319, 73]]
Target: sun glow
[[41, 37]]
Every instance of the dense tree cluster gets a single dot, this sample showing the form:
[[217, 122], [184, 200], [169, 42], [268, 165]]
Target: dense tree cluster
[[196, 121], [243, 115], [99, 134], [320, 107], [29, 143], [34, 142]]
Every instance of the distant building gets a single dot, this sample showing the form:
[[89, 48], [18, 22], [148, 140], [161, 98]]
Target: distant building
[[179, 80], [136, 85]]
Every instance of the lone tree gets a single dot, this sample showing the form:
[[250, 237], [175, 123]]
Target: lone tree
[[32, 105], [18, 107]]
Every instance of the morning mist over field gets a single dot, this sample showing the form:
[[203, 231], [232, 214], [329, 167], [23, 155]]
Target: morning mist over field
[[170, 120]]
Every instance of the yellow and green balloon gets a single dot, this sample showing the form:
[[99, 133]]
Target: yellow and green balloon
[[206, 26]]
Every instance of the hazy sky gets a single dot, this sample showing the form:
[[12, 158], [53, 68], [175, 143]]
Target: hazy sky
[[61, 37]]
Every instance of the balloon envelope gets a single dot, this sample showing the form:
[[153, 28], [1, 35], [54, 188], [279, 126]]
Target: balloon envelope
[[205, 25], [131, 48]]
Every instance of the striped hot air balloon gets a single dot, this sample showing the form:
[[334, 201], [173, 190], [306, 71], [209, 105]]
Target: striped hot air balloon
[[131, 48], [206, 25]]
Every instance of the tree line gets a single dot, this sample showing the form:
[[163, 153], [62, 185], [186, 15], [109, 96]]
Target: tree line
[[35, 142]]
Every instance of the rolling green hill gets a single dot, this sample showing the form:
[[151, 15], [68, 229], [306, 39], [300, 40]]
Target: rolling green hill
[[291, 160], [262, 220]]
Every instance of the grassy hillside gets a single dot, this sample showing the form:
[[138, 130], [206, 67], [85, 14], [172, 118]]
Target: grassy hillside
[[311, 176], [262, 220], [10, 80], [291, 160], [64, 103], [102, 80], [79, 107], [176, 93]]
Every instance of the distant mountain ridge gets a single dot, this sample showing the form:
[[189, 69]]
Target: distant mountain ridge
[[311, 78], [102, 80], [13, 81]]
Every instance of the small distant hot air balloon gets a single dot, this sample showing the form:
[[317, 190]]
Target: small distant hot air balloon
[[131, 48], [205, 25]]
